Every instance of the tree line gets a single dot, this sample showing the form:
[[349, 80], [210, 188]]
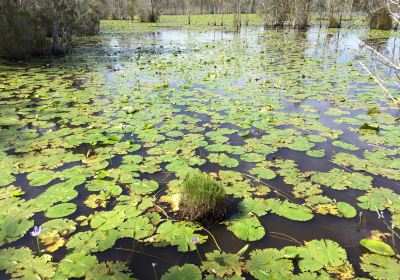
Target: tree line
[[41, 27]]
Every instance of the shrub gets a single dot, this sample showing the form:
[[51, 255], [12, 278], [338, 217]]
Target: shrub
[[43, 27], [381, 20], [333, 22], [21, 34], [203, 198]]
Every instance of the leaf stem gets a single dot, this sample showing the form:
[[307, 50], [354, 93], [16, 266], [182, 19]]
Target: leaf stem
[[38, 246], [212, 236]]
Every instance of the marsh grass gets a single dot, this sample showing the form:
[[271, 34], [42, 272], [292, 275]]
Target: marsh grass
[[203, 199]]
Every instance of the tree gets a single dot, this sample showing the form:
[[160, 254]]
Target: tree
[[36, 27]]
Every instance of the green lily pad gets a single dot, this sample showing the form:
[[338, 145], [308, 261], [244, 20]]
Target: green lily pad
[[377, 247], [263, 173], [223, 160], [144, 186], [187, 271], [290, 210], [109, 270], [22, 264], [6, 179], [61, 210], [77, 264], [107, 220], [41, 178], [180, 234], [269, 264], [346, 209], [380, 267], [222, 264], [318, 254], [248, 228], [345, 145], [316, 153]]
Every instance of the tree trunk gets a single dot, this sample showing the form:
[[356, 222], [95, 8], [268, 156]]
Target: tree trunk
[[253, 2]]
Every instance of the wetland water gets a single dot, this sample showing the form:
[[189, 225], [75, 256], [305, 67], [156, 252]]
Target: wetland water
[[94, 146]]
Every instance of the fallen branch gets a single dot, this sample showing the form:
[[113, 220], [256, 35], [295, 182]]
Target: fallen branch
[[385, 90]]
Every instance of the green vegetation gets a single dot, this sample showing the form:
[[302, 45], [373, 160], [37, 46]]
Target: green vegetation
[[203, 198], [127, 153], [42, 27], [333, 22]]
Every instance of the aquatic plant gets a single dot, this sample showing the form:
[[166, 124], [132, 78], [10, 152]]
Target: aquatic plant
[[203, 198], [244, 133]]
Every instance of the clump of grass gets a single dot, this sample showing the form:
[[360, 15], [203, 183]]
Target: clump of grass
[[203, 198]]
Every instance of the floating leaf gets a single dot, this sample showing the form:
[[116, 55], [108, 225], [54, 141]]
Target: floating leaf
[[345, 145], [107, 220], [187, 271], [6, 178], [77, 264], [340, 180], [21, 264], [346, 209], [318, 254], [269, 264], [257, 206], [61, 210], [316, 153], [378, 199], [377, 246], [290, 210], [144, 186], [252, 157], [109, 271], [223, 160], [41, 178], [380, 267], [180, 234], [222, 264], [263, 173], [248, 228]]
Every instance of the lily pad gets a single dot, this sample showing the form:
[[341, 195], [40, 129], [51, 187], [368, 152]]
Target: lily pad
[[144, 186], [269, 264], [248, 228], [318, 254], [378, 247], [41, 178], [180, 234], [380, 267], [222, 264], [77, 264], [290, 210], [187, 271], [346, 209], [61, 210]]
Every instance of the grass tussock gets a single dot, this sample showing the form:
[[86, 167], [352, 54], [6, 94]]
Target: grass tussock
[[203, 199]]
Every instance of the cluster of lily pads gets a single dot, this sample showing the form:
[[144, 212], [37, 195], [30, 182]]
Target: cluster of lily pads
[[95, 154]]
